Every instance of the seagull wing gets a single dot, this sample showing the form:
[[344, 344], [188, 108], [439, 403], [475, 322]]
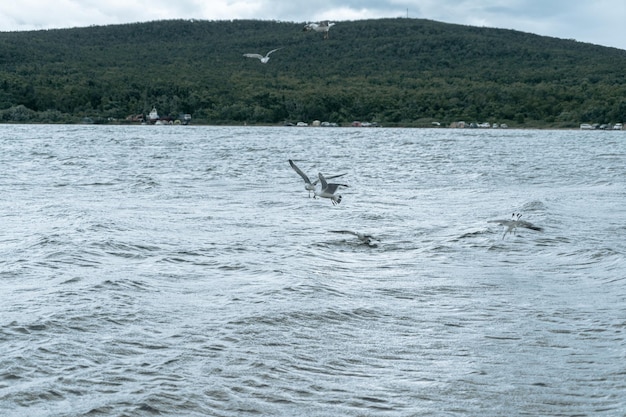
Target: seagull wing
[[345, 232], [365, 238], [332, 187], [302, 174], [335, 176], [328, 178], [272, 51], [258, 56], [502, 222], [528, 225], [323, 181], [516, 223]]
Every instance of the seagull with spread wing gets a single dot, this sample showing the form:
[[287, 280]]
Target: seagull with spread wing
[[328, 190], [323, 26], [515, 222], [308, 185], [367, 239], [263, 59]]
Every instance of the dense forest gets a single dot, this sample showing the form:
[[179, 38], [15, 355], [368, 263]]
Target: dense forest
[[396, 72]]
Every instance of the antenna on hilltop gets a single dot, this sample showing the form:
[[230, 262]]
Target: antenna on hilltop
[[407, 12]]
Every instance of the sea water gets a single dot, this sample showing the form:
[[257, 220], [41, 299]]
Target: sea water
[[185, 271]]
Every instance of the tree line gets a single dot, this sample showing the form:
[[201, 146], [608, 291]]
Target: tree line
[[397, 72]]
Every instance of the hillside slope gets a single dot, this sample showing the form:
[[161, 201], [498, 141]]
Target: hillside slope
[[393, 71]]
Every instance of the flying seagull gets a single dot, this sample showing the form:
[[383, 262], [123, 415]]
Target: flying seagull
[[514, 223], [308, 185], [262, 58], [328, 190], [367, 239], [323, 26]]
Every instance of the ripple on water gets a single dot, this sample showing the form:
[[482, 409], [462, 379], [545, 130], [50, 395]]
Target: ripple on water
[[185, 271]]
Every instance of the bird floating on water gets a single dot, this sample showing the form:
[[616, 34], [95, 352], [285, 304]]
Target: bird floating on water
[[515, 222], [367, 239], [323, 26], [308, 185], [328, 190], [263, 59]]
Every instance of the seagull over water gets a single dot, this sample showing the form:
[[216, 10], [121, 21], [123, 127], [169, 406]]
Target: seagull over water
[[328, 190], [367, 239], [514, 223], [262, 58], [308, 185]]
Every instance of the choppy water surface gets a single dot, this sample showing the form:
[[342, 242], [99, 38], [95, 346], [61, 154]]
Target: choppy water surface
[[183, 271]]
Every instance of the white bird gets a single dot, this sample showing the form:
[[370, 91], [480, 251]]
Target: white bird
[[262, 58], [367, 239], [308, 185], [328, 190], [323, 26], [514, 223]]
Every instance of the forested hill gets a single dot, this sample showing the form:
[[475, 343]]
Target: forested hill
[[397, 72]]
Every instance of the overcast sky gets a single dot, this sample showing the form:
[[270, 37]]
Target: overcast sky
[[601, 22]]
